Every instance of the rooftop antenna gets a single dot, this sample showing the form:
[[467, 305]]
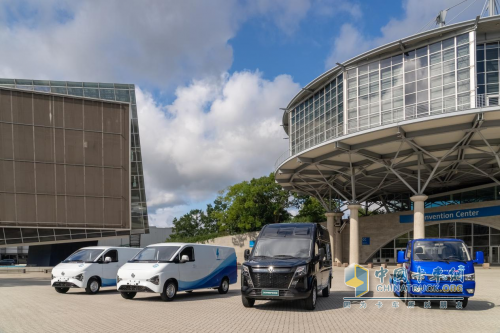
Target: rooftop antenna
[[441, 18]]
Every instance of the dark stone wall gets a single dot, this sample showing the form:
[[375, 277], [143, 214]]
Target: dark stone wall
[[53, 254]]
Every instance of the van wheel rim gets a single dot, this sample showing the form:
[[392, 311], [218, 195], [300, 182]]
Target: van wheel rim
[[314, 295], [170, 290], [94, 286], [225, 285]]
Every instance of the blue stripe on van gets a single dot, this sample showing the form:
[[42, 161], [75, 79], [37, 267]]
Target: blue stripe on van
[[227, 268], [108, 282]]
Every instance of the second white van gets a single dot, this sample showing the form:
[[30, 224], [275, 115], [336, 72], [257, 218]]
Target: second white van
[[167, 268], [91, 268]]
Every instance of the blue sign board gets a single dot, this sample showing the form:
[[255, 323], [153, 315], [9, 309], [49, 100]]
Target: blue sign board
[[455, 214], [365, 240], [252, 243]]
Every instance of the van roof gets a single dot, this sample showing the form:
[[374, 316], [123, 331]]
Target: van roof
[[109, 247], [182, 244], [438, 239]]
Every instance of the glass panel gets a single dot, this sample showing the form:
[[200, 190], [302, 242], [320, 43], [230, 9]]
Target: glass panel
[[481, 230], [447, 230], [464, 229], [432, 230]]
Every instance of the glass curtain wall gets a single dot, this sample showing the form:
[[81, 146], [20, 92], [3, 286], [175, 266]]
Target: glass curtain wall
[[487, 57], [105, 91], [429, 80], [421, 82], [319, 118]]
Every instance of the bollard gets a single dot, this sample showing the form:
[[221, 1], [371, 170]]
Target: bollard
[[486, 265], [346, 264], [399, 265], [370, 265], [383, 265], [24, 271]]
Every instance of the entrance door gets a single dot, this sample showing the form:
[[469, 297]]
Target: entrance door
[[495, 255]]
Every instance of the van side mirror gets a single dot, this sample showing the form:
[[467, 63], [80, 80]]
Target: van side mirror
[[184, 259], [401, 257], [247, 254], [321, 253], [107, 260], [479, 258]]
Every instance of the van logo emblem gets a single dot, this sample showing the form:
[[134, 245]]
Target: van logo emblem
[[133, 275], [62, 273], [271, 269]]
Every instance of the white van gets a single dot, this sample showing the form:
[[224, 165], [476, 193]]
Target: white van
[[170, 267], [91, 268]]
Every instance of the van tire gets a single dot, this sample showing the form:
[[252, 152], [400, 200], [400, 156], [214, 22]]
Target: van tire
[[465, 302], [224, 286], [169, 291], [93, 286], [310, 301], [62, 290], [128, 295], [326, 290], [247, 302]]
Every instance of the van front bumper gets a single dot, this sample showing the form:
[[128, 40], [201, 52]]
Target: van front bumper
[[62, 282], [284, 294], [138, 286]]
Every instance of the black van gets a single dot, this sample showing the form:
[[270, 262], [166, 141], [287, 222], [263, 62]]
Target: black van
[[289, 261]]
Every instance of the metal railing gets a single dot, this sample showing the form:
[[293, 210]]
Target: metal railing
[[398, 115]]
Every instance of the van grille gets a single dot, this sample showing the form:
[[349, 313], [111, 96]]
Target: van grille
[[64, 285], [271, 280], [135, 289]]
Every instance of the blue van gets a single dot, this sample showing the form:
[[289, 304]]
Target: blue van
[[436, 267]]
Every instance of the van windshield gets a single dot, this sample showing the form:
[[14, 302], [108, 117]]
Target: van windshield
[[440, 251], [156, 254], [84, 255], [283, 247]]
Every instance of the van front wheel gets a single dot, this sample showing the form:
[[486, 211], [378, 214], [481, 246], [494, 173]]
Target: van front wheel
[[128, 295], [311, 300], [93, 286], [169, 291], [247, 302], [224, 286], [62, 290]]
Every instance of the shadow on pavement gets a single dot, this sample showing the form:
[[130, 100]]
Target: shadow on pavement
[[196, 295], [24, 282], [334, 301]]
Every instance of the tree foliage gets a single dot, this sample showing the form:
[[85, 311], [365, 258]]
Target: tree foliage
[[310, 210], [253, 204], [246, 206]]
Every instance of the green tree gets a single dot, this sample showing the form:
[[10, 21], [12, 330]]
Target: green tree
[[311, 210], [253, 204]]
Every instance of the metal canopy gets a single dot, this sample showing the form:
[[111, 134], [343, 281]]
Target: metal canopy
[[433, 155]]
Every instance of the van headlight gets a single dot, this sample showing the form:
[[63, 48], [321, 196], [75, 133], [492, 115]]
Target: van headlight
[[300, 271], [470, 277], [154, 280], [118, 279], [79, 277]]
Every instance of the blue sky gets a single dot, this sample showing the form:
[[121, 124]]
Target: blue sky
[[210, 75]]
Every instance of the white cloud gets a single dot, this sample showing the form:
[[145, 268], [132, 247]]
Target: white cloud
[[158, 43], [217, 132], [352, 40]]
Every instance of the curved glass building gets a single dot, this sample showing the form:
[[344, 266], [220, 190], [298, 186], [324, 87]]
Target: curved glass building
[[408, 126]]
